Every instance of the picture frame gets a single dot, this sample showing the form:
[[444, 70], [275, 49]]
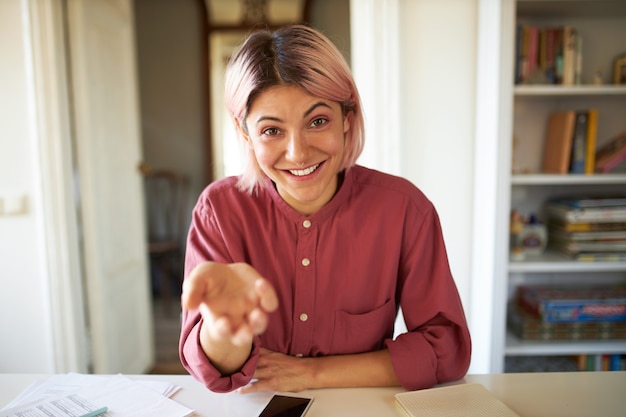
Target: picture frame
[[619, 70]]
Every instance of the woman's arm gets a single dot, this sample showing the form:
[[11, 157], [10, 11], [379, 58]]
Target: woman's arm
[[233, 300], [278, 372]]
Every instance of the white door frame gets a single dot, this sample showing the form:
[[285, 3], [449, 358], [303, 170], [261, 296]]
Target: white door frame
[[56, 197]]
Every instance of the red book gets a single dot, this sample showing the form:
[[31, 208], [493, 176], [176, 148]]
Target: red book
[[612, 154]]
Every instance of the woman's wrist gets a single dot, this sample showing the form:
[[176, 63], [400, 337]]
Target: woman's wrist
[[225, 356]]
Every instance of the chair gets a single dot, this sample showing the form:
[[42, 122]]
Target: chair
[[166, 199]]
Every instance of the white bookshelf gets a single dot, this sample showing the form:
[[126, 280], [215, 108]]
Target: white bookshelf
[[602, 24]]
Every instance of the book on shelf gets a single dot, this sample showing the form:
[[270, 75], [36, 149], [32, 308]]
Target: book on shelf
[[570, 42], [591, 236], [558, 142], [590, 246], [573, 303], [612, 154], [599, 256], [556, 224], [579, 144], [566, 210], [527, 326], [591, 201], [592, 132]]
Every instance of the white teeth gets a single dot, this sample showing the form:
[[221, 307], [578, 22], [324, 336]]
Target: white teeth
[[303, 172]]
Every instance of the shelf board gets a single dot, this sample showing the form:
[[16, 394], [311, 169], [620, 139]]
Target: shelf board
[[571, 8], [567, 179], [518, 347], [573, 90], [556, 262]]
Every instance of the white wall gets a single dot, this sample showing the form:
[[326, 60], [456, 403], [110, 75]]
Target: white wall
[[424, 129], [437, 73], [24, 311]]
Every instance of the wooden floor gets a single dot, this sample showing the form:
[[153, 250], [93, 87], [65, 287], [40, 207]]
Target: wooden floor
[[166, 334]]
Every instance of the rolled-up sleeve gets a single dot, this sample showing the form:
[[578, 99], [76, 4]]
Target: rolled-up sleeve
[[198, 365]]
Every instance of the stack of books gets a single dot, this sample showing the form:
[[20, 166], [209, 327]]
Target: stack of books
[[548, 55], [588, 228], [572, 312]]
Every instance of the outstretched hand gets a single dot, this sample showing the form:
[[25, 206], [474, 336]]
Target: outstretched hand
[[233, 299]]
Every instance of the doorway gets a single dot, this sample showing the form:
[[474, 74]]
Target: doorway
[[172, 69], [174, 59]]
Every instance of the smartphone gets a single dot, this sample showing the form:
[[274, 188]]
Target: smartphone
[[286, 406]]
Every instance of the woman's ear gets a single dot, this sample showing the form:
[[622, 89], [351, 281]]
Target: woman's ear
[[347, 121]]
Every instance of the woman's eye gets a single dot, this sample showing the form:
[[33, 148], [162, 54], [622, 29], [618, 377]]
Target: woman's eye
[[272, 131], [319, 122]]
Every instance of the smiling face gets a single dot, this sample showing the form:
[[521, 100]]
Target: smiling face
[[298, 141]]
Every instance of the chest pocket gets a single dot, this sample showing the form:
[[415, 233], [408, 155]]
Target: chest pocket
[[365, 332]]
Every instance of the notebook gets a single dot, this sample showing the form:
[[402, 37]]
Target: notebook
[[465, 400]]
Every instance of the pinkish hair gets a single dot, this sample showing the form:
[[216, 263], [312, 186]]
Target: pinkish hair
[[295, 55]]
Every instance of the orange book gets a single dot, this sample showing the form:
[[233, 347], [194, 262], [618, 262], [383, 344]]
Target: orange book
[[557, 149]]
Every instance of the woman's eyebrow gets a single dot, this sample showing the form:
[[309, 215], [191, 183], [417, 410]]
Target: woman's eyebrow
[[313, 107], [306, 113], [272, 118]]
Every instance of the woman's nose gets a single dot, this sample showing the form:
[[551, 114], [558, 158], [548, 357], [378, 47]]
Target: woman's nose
[[296, 148]]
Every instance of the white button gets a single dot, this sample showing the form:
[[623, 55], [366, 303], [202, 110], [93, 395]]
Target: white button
[[304, 317], [299, 355], [306, 261], [306, 223]]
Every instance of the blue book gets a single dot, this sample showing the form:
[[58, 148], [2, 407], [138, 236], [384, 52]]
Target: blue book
[[579, 144], [615, 362]]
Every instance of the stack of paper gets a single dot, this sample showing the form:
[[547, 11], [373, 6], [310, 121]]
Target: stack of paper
[[465, 400], [78, 394]]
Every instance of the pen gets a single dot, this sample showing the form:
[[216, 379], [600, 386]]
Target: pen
[[95, 413]]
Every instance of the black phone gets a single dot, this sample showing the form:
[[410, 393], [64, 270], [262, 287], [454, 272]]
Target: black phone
[[286, 406]]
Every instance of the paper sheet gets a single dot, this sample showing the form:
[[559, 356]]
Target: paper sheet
[[122, 396]]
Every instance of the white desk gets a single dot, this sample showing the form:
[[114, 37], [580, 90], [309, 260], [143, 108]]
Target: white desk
[[533, 394]]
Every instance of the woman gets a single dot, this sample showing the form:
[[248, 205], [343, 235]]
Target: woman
[[296, 269]]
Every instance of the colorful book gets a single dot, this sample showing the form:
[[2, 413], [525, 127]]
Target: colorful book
[[597, 245], [612, 154], [558, 142], [567, 211], [574, 303], [526, 326], [609, 235]]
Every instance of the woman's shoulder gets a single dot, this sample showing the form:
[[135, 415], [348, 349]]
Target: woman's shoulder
[[390, 193], [384, 183], [223, 191]]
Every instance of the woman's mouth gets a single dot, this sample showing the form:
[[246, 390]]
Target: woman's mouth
[[304, 172]]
